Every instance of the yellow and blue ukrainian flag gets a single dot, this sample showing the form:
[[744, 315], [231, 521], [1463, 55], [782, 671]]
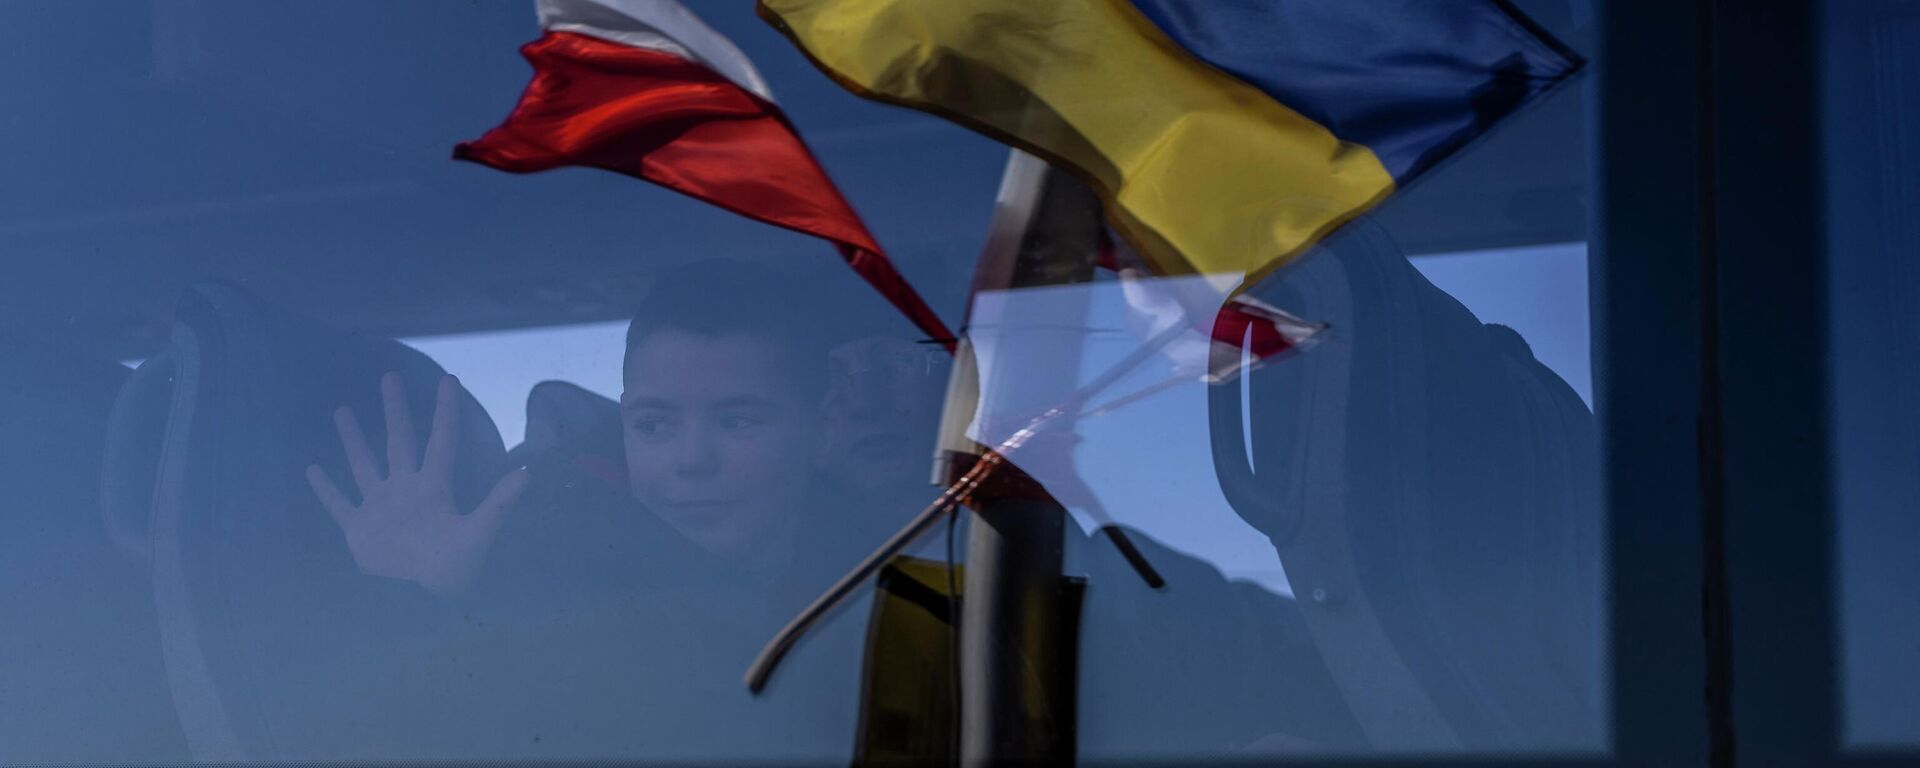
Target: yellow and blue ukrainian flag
[[1223, 135]]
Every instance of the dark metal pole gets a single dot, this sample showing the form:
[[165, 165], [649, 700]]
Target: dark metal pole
[[1017, 613]]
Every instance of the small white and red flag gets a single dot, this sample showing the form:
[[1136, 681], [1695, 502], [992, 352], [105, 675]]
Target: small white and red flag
[[1226, 334], [645, 88]]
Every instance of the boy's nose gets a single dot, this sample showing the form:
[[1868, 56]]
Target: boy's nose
[[697, 455]]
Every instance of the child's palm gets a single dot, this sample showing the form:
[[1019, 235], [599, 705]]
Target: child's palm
[[406, 525]]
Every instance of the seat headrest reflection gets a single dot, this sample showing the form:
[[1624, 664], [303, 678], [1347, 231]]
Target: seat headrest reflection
[[270, 632], [1456, 469]]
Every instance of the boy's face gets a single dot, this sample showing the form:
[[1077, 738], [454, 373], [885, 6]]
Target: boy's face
[[720, 437]]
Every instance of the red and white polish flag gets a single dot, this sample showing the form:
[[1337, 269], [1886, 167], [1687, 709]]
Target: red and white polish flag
[[645, 88], [1227, 334], [1266, 333]]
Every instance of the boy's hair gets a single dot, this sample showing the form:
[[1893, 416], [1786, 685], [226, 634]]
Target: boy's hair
[[720, 297]]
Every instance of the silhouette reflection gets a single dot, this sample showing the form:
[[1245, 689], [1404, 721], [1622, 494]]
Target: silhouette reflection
[[1429, 488]]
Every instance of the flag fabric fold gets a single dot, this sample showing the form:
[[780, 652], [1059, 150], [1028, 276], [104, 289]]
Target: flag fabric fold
[[1225, 136], [644, 88], [1411, 80]]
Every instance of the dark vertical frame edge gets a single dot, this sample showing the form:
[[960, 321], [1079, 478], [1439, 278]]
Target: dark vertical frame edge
[[1769, 216], [1649, 363]]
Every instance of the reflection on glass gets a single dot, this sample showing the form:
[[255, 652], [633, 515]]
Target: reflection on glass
[[288, 535], [1420, 511]]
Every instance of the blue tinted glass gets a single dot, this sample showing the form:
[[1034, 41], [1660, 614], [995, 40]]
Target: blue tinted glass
[[250, 519], [1872, 112]]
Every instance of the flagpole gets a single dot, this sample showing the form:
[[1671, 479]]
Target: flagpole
[[1044, 237], [1046, 232], [965, 487]]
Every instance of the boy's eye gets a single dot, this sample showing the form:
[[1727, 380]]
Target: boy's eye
[[651, 426]]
